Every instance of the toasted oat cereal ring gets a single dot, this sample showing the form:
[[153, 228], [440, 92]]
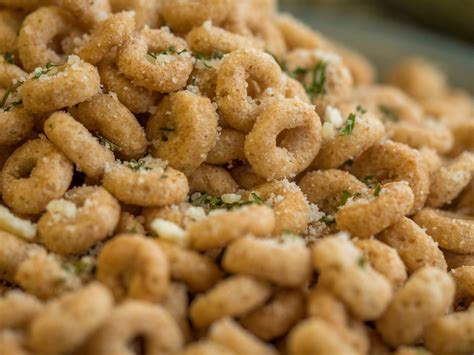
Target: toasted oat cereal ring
[[246, 79], [173, 213], [339, 148], [455, 260], [463, 131], [18, 309], [138, 184], [229, 146], [78, 144], [289, 205], [203, 79], [451, 231], [183, 130], [426, 295], [452, 107], [284, 140], [235, 296], [12, 253], [384, 259], [346, 273], [36, 173], [107, 116], [364, 218], [44, 276], [308, 64], [129, 224], [37, 32], [146, 11], [197, 271], [12, 343], [222, 227], [137, 99], [264, 28], [184, 15], [432, 135], [432, 159], [295, 90], [111, 33], [93, 217], [391, 161], [325, 187], [230, 334], [89, 13], [272, 320], [206, 347], [245, 176], [63, 86], [415, 247], [10, 23], [15, 125], [207, 39], [451, 334], [448, 182], [213, 180], [418, 78], [176, 304], [157, 60], [464, 278], [286, 263], [298, 35], [134, 320], [316, 336], [362, 70], [67, 322], [10, 73]]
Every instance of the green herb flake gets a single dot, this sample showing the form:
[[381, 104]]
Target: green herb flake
[[362, 262], [318, 80], [377, 190], [214, 203], [388, 115], [43, 71], [168, 129], [349, 127], [9, 57], [327, 220], [137, 165], [345, 196], [107, 143], [216, 54], [6, 95]]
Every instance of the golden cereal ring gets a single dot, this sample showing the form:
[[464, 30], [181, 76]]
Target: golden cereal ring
[[463, 132], [12, 343], [426, 295], [78, 144], [59, 87], [184, 15], [229, 146], [419, 78], [65, 323], [157, 60], [265, 29], [203, 79], [223, 227], [298, 35], [337, 83], [384, 259], [316, 336], [18, 309], [206, 347], [208, 39], [362, 70], [246, 177], [89, 13], [230, 334], [10, 73], [337, 148], [213, 180], [448, 182], [183, 130], [137, 99], [452, 107], [455, 260], [286, 263], [289, 205], [36, 173], [325, 187], [176, 304], [143, 183], [285, 139], [432, 159], [15, 125], [391, 161], [243, 74], [143, 264], [364, 218], [129, 224], [383, 99], [451, 334], [146, 11], [415, 247], [234, 296], [133, 319], [345, 272], [295, 90], [432, 135], [10, 23], [464, 278], [197, 271], [107, 116], [451, 231], [37, 31], [44, 276], [173, 213], [111, 33], [272, 320], [84, 217]]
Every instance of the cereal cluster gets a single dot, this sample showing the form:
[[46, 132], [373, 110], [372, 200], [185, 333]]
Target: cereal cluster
[[213, 177]]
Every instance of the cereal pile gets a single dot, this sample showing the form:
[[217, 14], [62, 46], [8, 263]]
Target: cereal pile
[[213, 177]]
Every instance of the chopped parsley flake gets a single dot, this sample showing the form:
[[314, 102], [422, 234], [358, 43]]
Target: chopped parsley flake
[[362, 262], [9, 57], [137, 165], [43, 71], [345, 196], [4, 99], [327, 220], [377, 190], [388, 114], [79, 267], [167, 129], [317, 85], [108, 144], [168, 51], [214, 203], [349, 127], [206, 58]]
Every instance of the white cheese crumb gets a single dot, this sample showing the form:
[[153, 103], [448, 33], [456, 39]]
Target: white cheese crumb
[[195, 213], [231, 198], [15, 225], [207, 25], [170, 232], [62, 208]]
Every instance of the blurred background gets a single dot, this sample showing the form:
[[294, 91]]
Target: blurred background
[[387, 30]]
